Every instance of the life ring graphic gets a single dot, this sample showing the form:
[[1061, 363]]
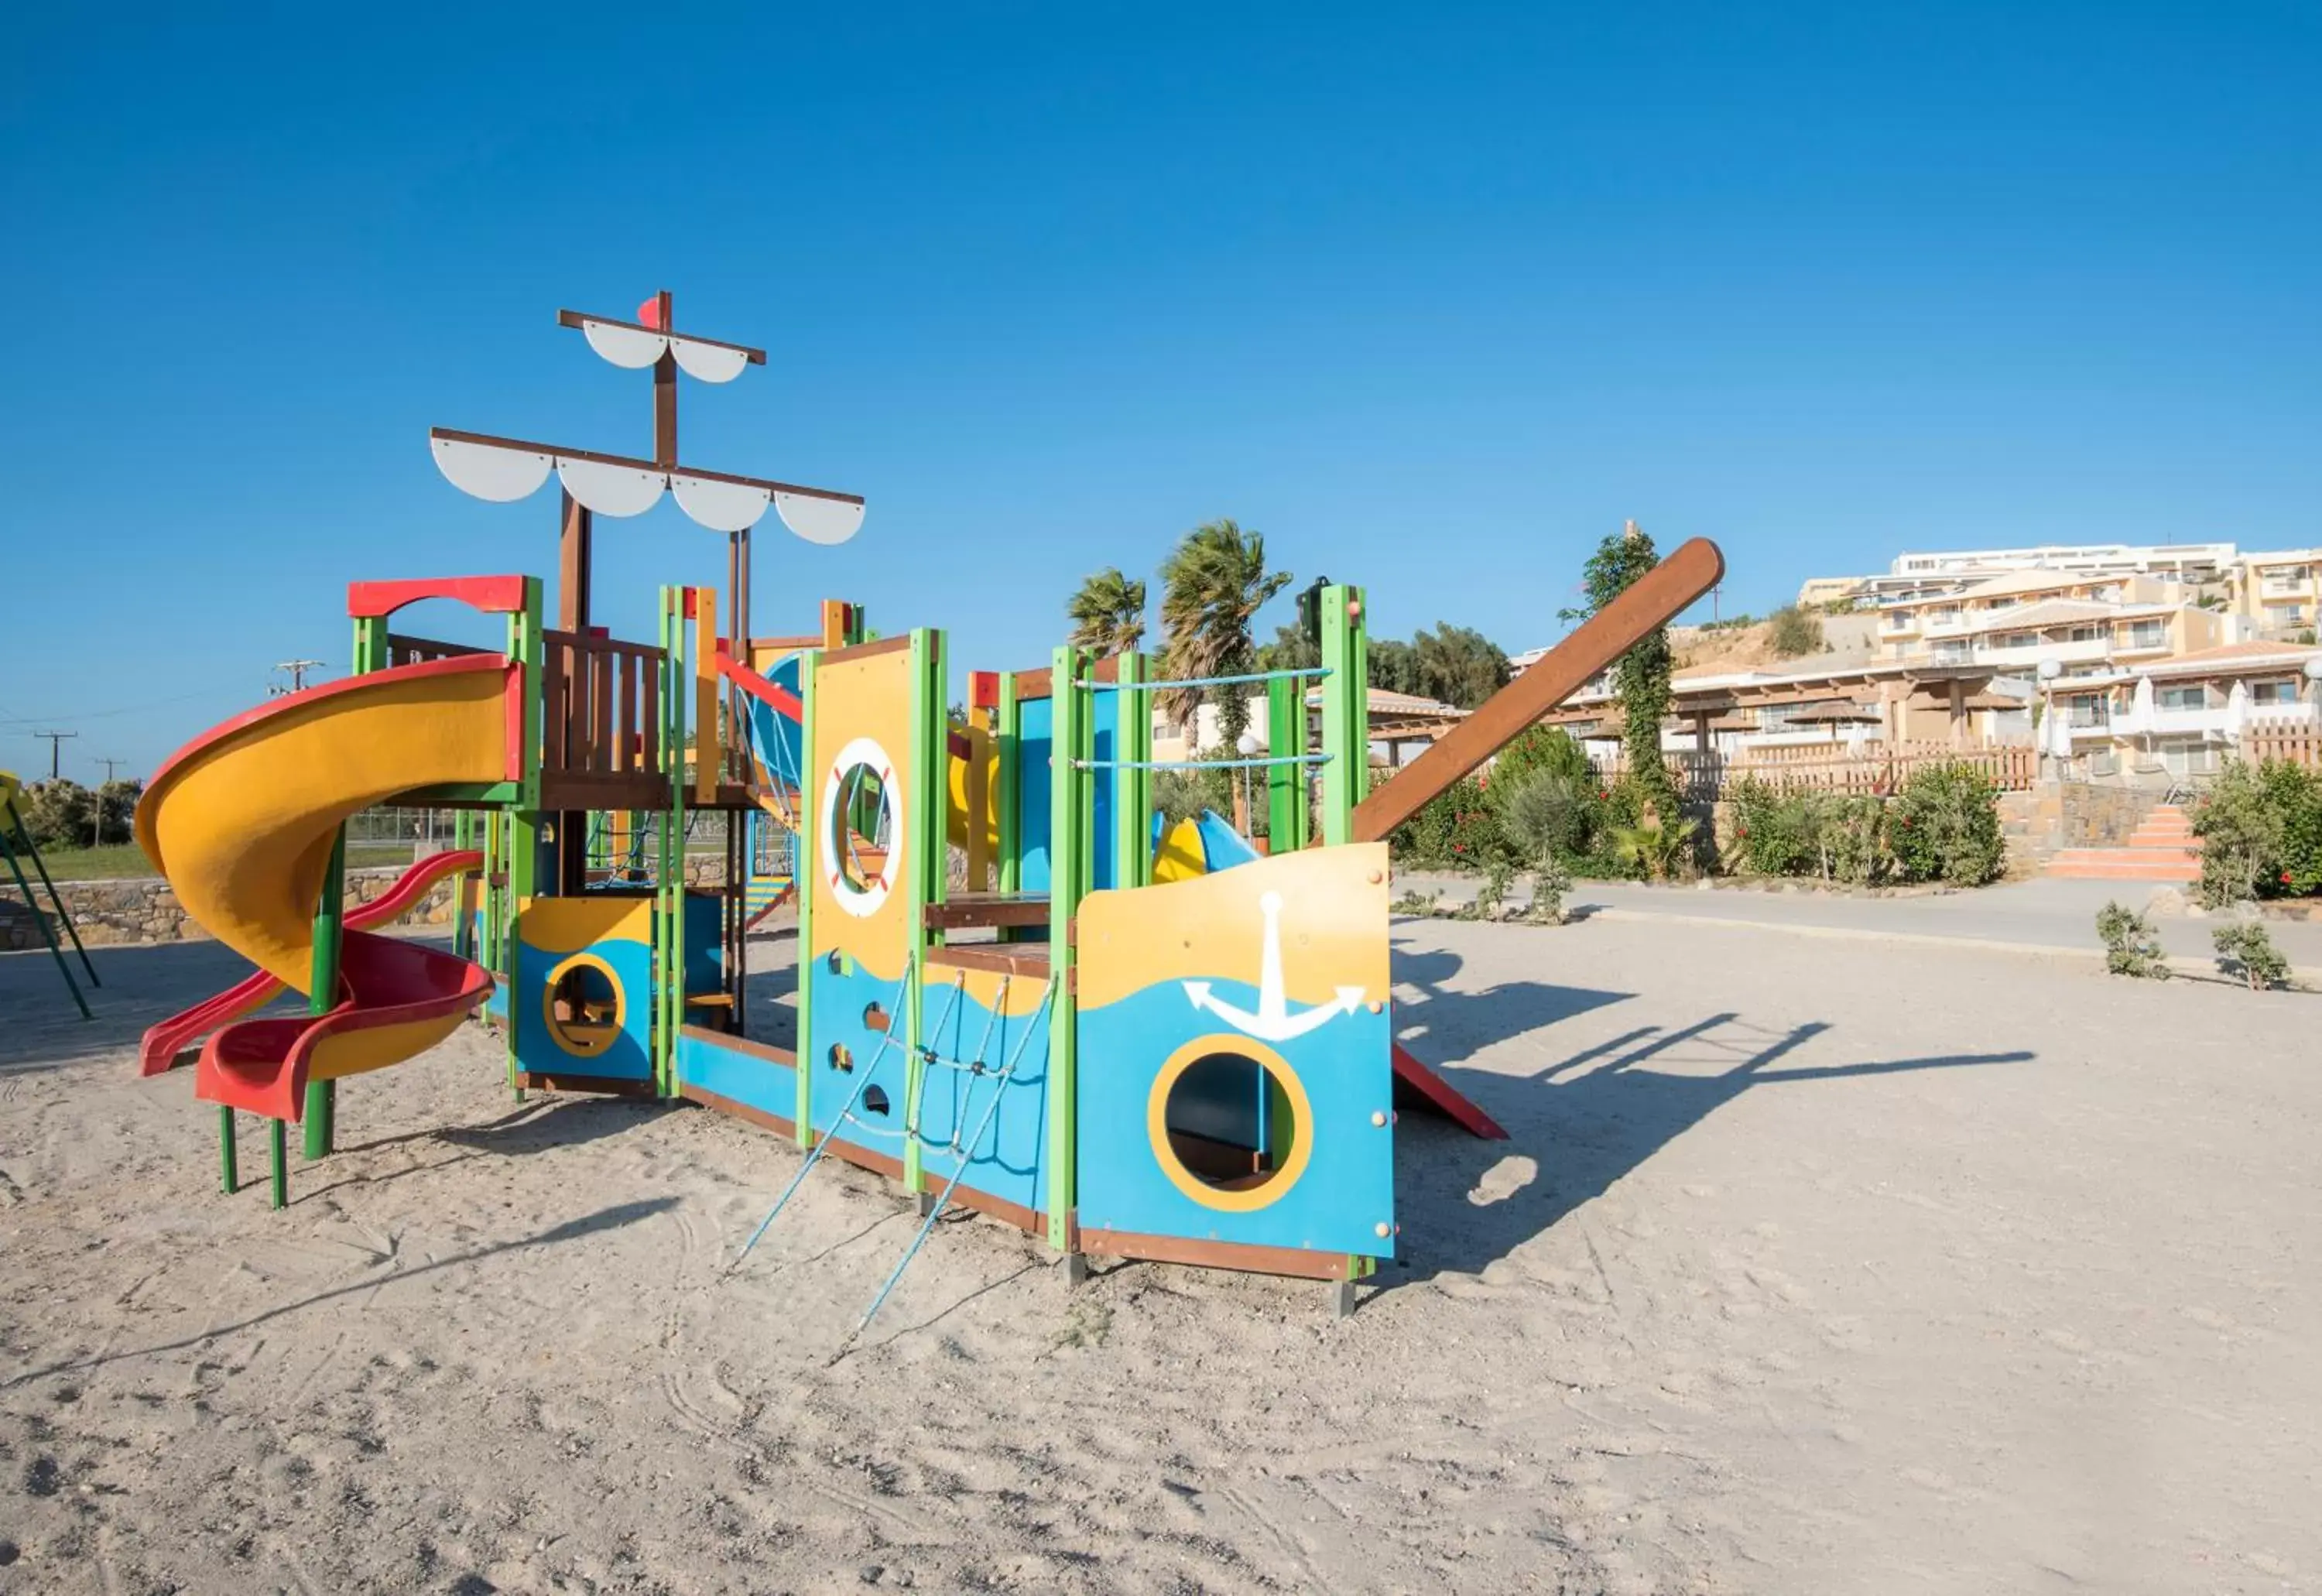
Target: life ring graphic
[[836, 834]]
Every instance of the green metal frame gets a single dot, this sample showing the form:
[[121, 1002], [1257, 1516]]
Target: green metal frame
[[1289, 817], [1346, 712], [1071, 798], [523, 818], [928, 879], [802, 873], [1132, 787], [14, 825]]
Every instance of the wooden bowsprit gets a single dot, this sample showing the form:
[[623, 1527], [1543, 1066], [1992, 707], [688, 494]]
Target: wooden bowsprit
[[1652, 602]]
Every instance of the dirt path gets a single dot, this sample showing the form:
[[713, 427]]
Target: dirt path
[[1811, 1268]]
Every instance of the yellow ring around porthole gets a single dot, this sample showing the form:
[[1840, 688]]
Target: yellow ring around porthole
[[596, 1040], [1302, 1124]]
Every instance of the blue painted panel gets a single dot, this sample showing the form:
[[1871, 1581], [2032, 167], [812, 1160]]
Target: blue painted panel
[[1033, 776], [1005, 1159], [840, 999], [703, 958], [1036, 718], [538, 1048], [1107, 739], [744, 1078], [1335, 1203]]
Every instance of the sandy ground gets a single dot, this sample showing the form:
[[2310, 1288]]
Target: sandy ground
[[1813, 1266]]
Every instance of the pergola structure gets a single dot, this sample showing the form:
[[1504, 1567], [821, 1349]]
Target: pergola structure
[[1910, 701]]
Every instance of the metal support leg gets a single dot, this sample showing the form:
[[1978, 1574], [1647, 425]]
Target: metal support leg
[[228, 1175], [277, 1154], [1076, 1269], [1342, 1300]]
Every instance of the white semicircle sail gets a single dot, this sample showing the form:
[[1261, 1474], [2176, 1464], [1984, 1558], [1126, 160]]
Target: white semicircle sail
[[708, 362], [721, 506], [624, 346], [611, 490], [499, 475], [818, 520]]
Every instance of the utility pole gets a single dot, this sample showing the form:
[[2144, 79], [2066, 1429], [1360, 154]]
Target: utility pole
[[56, 741], [296, 669], [97, 827]]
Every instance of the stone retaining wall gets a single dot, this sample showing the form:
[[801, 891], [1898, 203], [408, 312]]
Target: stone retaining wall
[[146, 910]]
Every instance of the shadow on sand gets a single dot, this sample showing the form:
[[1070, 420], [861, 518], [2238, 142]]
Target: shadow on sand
[[1584, 1120]]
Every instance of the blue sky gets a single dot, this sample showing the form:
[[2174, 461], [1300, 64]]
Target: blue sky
[[1432, 297]]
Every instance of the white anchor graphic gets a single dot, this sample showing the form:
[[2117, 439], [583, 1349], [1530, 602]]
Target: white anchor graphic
[[1273, 1022]]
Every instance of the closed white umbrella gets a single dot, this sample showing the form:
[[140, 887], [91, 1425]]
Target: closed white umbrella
[[2060, 729], [2237, 709], [2140, 708]]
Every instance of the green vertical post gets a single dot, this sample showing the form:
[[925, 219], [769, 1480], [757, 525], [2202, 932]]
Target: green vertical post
[[323, 990], [278, 1160], [1008, 786], [669, 982], [523, 817], [1346, 712], [1286, 818], [464, 929], [228, 1176], [1068, 871], [926, 880], [802, 878]]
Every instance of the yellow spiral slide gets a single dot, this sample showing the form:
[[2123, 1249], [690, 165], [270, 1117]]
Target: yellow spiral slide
[[242, 821]]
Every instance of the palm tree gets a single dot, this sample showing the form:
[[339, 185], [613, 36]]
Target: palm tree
[[1212, 586], [1108, 613]]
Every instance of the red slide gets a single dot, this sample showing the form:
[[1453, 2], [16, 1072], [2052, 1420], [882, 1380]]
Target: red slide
[[165, 1041]]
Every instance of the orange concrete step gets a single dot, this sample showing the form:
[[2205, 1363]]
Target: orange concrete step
[[2124, 865]]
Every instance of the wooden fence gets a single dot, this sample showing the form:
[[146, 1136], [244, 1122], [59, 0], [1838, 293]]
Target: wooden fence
[[1875, 771], [2299, 742]]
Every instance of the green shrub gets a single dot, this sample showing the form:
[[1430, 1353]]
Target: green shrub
[[1945, 827], [2245, 949], [1773, 829], [1456, 827], [1657, 849], [1499, 875], [58, 814], [1779, 831], [2261, 831], [1793, 632], [1549, 882], [2130, 946], [1851, 834]]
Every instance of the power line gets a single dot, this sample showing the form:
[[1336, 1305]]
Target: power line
[[57, 740], [109, 762]]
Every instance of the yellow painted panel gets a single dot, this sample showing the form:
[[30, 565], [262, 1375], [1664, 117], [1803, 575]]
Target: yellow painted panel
[[1329, 912], [865, 705], [568, 925]]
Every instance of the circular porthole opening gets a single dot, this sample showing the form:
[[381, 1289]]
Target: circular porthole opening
[[861, 830], [584, 1006], [1230, 1123]]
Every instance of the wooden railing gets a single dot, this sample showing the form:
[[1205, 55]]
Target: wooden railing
[[600, 719], [1877, 770]]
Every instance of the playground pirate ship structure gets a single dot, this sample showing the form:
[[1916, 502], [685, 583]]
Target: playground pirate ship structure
[[1194, 1062]]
